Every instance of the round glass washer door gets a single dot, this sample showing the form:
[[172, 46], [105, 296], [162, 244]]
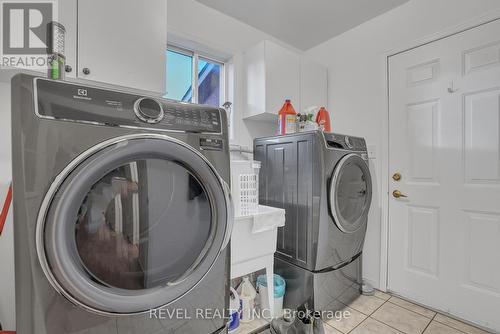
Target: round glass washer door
[[350, 193], [133, 224]]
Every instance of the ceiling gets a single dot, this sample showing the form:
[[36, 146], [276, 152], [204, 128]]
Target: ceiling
[[303, 23]]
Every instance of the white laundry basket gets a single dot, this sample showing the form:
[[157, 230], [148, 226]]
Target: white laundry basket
[[245, 186]]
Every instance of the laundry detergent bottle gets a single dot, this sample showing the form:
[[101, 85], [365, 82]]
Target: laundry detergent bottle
[[323, 120], [247, 298], [287, 119]]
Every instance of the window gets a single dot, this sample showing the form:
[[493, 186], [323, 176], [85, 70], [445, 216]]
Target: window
[[179, 75], [187, 69]]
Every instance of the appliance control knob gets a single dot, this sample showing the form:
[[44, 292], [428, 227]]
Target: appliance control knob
[[348, 142], [148, 110]]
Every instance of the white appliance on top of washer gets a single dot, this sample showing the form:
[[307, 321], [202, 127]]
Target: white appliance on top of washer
[[121, 207]]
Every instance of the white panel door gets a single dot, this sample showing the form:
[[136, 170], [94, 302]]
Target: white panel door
[[444, 130]]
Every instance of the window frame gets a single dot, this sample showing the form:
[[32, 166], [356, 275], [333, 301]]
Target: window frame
[[196, 55]]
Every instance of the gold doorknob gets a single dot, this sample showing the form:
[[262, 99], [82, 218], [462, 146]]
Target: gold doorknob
[[398, 194], [397, 176]]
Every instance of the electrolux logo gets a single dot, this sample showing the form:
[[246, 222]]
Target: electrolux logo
[[24, 32], [82, 94]]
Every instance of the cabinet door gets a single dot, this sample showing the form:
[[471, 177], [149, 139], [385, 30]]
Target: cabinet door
[[313, 84], [123, 42], [282, 78], [255, 81]]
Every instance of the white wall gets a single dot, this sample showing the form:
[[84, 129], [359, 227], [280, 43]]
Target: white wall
[[7, 298], [356, 80], [206, 26]]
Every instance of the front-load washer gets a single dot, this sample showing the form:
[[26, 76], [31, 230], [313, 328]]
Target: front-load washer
[[323, 182], [122, 211]]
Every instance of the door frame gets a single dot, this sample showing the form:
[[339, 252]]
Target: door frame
[[486, 18]]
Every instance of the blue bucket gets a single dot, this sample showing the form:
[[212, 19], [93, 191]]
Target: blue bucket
[[279, 284]]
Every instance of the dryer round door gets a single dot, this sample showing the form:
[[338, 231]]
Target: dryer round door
[[133, 224], [350, 193]]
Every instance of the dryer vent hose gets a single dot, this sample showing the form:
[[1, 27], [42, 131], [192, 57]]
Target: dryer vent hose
[[5, 211]]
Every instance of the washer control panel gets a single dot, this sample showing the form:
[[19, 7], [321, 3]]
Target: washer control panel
[[348, 142], [345, 142], [73, 102]]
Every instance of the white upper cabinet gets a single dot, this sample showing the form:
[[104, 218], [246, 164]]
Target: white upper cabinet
[[313, 84], [273, 74], [282, 77], [123, 42]]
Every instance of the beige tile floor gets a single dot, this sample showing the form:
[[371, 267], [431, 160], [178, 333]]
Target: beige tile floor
[[386, 314]]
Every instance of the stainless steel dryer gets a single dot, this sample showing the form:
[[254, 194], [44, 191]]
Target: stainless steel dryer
[[324, 184], [122, 211]]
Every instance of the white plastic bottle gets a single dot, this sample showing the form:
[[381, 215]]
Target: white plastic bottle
[[247, 296]]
